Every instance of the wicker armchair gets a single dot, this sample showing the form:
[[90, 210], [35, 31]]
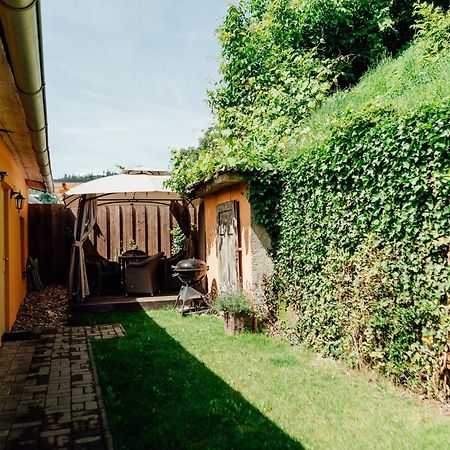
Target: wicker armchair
[[169, 282], [103, 275], [141, 277]]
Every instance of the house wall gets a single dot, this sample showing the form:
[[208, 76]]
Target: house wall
[[14, 239]]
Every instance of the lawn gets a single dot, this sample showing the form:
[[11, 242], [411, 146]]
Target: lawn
[[180, 382]]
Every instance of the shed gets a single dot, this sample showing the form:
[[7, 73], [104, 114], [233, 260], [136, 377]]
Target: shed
[[234, 246]]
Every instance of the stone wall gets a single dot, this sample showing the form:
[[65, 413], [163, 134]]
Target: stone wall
[[262, 265]]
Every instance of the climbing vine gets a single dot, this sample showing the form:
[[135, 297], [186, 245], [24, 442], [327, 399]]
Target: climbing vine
[[363, 247], [359, 215]]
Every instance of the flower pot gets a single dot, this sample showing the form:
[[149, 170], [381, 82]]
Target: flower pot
[[237, 322]]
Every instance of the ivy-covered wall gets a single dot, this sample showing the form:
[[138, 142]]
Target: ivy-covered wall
[[363, 246]]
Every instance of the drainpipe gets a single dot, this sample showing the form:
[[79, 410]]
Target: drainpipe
[[21, 21]]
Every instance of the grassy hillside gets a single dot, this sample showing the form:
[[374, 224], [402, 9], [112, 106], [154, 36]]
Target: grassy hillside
[[416, 78], [282, 119]]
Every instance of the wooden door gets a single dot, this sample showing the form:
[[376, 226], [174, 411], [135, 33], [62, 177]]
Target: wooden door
[[228, 245]]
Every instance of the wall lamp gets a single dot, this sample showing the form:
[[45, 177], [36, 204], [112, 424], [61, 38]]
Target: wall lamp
[[19, 198], [3, 175]]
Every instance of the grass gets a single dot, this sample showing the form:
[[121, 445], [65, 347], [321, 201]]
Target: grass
[[406, 83], [180, 382]]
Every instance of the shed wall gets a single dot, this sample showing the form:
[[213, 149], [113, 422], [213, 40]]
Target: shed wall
[[238, 193], [255, 263]]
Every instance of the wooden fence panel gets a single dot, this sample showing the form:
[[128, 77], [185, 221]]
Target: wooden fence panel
[[50, 238], [51, 234], [152, 226], [164, 230], [56, 228], [147, 225], [127, 226], [114, 232], [141, 227]]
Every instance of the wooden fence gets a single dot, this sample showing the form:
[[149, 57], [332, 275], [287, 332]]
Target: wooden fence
[[51, 234], [117, 225], [50, 237]]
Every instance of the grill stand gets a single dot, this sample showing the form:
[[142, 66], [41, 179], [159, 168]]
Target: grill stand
[[189, 293], [191, 272]]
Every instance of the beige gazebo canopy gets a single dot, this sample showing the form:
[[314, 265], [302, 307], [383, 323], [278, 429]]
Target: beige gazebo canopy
[[131, 186]]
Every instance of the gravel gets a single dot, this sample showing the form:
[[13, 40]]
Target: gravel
[[43, 309]]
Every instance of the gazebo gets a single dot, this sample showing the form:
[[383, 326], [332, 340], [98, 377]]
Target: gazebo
[[132, 186]]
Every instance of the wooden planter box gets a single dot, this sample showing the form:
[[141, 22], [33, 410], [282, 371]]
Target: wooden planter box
[[237, 322]]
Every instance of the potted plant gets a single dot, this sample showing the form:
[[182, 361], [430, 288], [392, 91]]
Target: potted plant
[[133, 245], [238, 311]]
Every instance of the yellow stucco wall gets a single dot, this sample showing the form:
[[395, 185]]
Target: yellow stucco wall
[[15, 244], [239, 193]]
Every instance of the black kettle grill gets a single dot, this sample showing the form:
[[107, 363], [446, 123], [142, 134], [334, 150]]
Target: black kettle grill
[[190, 272]]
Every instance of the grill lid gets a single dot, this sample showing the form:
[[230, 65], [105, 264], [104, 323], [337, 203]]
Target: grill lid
[[191, 265], [190, 270]]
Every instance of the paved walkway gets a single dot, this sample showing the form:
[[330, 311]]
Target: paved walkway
[[48, 394]]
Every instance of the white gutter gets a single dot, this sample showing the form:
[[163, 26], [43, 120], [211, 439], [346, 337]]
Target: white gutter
[[21, 22]]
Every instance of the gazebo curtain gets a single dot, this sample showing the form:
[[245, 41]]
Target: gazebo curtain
[[183, 218], [86, 219]]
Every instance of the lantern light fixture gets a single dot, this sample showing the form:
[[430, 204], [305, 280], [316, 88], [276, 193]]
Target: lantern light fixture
[[19, 199], [3, 175]]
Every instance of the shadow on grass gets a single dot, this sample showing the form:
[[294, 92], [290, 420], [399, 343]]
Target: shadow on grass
[[159, 396]]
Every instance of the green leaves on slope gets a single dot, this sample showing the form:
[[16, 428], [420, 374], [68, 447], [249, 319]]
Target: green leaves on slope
[[363, 246]]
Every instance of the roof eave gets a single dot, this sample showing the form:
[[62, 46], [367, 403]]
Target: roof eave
[[21, 22], [218, 183]]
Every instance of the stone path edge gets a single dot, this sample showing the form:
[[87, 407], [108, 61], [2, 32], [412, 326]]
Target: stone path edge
[[106, 432]]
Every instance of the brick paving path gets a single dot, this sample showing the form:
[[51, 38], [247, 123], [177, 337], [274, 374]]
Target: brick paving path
[[48, 392]]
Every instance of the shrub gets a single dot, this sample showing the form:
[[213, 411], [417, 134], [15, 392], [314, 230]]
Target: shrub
[[282, 59], [177, 240], [234, 301]]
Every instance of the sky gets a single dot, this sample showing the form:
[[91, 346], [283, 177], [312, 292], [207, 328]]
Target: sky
[[126, 81]]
